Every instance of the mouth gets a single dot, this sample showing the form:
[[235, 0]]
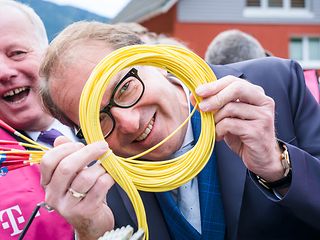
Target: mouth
[[16, 95], [146, 132]]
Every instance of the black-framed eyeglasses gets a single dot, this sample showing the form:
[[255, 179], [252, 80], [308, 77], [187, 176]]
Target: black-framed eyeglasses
[[126, 94]]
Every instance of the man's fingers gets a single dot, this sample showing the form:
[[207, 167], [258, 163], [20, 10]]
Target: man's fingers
[[217, 94], [212, 88], [84, 181], [51, 159], [98, 192], [72, 164], [243, 111]]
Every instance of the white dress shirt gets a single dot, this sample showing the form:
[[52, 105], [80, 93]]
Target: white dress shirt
[[187, 196]]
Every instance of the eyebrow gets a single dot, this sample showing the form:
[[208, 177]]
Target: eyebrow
[[119, 77], [18, 45]]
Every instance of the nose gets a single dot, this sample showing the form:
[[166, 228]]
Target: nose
[[7, 70], [127, 119]]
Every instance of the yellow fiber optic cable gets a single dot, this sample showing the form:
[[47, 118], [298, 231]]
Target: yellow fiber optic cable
[[153, 176]]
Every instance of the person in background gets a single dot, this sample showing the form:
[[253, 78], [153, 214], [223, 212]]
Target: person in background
[[261, 182], [23, 41], [233, 46]]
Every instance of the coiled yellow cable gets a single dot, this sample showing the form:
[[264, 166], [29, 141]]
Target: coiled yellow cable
[[153, 176]]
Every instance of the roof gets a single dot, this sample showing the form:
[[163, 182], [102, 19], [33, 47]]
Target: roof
[[141, 10]]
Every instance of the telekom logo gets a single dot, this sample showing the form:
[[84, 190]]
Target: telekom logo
[[13, 222]]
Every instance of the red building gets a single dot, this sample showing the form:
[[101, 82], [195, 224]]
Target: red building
[[286, 28]]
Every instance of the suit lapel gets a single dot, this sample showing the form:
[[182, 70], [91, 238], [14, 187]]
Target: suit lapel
[[232, 180]]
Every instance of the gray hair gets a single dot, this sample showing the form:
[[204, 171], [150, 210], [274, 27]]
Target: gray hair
[[233, 46], [33, 18]]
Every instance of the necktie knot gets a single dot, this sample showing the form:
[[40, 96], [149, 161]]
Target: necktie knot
[[49, 136]]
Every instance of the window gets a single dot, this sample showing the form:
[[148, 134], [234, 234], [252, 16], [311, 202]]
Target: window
[[298, 4], [306, 50], [295, 48], [253, 3], [314, 48], [276, 3], [277, 8]]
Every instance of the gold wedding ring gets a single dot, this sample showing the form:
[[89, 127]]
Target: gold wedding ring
[[76, 194]]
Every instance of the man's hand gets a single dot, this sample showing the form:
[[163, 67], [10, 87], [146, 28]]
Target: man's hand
[[244, 118], [76, 191]]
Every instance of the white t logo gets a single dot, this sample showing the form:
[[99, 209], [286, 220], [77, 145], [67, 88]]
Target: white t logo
[[12, 220]]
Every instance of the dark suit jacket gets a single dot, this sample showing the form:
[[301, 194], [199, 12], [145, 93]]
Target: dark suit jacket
[[251, 212]]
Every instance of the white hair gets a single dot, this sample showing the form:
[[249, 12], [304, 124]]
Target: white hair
[[233, 46], [32, 16]]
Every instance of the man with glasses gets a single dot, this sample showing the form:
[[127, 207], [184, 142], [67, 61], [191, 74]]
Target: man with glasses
[[262, 181]]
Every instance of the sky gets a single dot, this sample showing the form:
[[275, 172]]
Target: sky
[[105, 8]]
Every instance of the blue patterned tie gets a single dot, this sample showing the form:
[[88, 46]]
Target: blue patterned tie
[[49, 136]]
